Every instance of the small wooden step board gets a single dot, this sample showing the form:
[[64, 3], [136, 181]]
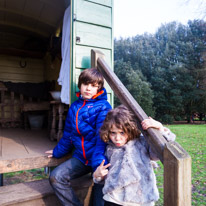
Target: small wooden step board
[[36, 193], [40, 193]]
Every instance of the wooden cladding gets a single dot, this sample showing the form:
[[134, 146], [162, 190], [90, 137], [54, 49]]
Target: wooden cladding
[[17, 69]]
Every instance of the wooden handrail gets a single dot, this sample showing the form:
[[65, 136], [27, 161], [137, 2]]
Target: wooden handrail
[[155, 139], [177, 162]]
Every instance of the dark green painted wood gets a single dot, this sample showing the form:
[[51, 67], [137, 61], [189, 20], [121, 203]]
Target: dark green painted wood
[[83, 56], [103, 2], [92, 35], [91, 29], [89, 12]]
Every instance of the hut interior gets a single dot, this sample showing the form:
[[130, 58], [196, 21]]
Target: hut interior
[[30, 57], [30, 60]]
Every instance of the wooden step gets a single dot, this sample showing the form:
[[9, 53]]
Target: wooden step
[[25, 149], [83, 188], [36, 193], [40, 193]]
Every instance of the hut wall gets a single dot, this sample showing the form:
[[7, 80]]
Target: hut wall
[[92, 29], [22, 70], [17, 69], [52, 68]]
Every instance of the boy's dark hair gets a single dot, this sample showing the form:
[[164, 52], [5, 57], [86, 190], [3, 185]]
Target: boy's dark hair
[[123, 119], [91, 76]]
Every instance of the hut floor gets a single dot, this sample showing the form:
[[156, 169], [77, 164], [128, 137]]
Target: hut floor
[[19, 146], [20, 143]]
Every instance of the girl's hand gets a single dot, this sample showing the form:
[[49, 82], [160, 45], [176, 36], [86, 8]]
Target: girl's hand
[[50, 152], [101, 171], [151, 123]]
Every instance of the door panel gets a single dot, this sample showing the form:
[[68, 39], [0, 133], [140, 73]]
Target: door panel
[[89, 12], [103, 2], [92, 35], [91, 29], [83, 56]]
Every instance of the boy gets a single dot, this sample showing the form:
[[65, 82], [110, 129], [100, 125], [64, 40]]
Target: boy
[[81, 132]]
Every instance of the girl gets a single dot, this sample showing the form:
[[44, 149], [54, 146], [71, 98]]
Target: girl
[[130, 180]]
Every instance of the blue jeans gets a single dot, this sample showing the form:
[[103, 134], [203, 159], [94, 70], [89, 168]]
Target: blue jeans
[[60, 181]]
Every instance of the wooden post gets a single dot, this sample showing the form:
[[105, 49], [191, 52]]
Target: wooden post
[[177, 176], [60, 124], [53, 123], [95, 54], [2, 104], [21, 99], [12, 104]]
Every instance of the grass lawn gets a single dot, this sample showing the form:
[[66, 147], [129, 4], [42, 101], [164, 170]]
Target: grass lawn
[[193, 139]]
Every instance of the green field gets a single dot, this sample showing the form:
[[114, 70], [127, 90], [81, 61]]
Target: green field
[[193, 139]]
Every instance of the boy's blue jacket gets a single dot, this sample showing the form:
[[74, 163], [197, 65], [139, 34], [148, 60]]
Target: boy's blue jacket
[[81, 130]]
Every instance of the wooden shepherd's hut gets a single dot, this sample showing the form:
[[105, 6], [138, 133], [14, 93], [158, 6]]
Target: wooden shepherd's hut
[[44, 45]]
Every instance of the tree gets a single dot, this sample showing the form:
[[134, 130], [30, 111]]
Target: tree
[[172, 61], [136, 85]]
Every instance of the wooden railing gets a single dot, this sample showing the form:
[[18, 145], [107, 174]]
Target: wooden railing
[[14, 106], [176, 161], [8, 104]]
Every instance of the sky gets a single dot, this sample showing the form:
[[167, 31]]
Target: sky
[[132, 17]]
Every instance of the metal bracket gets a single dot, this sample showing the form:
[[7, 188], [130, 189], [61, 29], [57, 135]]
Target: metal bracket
[[78, 39]]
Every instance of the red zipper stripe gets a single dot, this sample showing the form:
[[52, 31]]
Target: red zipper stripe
[[84, 154], [77, 117], [84, 151]]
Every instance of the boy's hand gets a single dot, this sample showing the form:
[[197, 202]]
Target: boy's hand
[[151, 123], [101, 171], [50, 152]]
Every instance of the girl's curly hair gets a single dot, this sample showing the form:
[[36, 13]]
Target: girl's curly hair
[[123, 119]]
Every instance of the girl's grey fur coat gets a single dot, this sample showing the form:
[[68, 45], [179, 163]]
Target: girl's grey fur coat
[[131, 178]]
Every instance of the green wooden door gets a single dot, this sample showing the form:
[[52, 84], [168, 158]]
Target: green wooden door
[[91, 29]]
